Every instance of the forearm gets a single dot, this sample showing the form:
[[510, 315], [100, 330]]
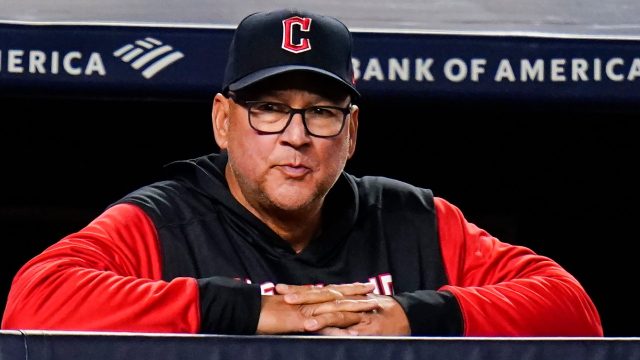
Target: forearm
[[432, 313], [84, 299], [228, 306], [538, 306]]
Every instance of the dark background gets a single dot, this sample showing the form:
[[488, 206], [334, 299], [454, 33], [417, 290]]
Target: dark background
[[559, 177]]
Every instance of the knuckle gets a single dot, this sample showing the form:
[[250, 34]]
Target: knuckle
[[306, 310], [336, 294]]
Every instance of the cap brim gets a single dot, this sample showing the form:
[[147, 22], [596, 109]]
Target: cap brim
[[269, 72]]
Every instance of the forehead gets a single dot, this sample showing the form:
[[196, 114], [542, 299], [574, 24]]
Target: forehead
[[316, 84]]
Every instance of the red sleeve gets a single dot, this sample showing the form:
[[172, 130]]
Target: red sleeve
[[107, 277], [506, 290]]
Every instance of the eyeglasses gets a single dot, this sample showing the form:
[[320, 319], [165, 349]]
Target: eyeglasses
[[273, 117]]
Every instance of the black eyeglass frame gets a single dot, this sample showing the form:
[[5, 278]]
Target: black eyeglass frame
[[292, 111]]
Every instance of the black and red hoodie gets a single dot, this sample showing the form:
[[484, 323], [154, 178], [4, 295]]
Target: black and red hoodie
[[182, 255]]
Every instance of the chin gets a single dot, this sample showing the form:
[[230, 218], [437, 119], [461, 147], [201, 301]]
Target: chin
[[292, 200], [289, 204]]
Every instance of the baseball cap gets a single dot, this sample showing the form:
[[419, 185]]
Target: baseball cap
[[266, 44]]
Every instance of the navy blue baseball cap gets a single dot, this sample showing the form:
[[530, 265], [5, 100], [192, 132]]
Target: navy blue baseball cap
[[266, 44]]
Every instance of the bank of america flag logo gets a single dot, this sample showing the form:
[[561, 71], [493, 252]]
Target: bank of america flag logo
[[148, 55]]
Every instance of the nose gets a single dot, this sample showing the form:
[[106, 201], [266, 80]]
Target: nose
[[295, 134]]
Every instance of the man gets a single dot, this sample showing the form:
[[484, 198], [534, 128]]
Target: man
[[271, 236]]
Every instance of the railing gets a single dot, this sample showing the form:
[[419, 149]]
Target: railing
[[36, 345]]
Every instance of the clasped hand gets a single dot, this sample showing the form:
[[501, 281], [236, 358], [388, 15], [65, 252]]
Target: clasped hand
[[345, 309]]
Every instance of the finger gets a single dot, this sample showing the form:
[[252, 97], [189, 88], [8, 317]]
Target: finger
[[313, 296], [333, 319], [345, 306], [356, 288], [364, 328], [283, 289], [353, 288], [334, 331]]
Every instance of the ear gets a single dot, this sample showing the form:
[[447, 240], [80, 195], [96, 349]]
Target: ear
[[220, 120], [353, 129]]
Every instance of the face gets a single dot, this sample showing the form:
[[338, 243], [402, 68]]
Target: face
[[289, 172]]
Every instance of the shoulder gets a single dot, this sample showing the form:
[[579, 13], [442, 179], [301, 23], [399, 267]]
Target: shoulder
[[159, 194], [387, 192], [170, 202], [189, 183]]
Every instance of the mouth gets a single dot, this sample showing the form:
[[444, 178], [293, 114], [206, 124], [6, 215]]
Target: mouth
[[294, 170]]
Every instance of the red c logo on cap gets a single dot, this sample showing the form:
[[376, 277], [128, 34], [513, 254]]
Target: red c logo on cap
[[287, 34]]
